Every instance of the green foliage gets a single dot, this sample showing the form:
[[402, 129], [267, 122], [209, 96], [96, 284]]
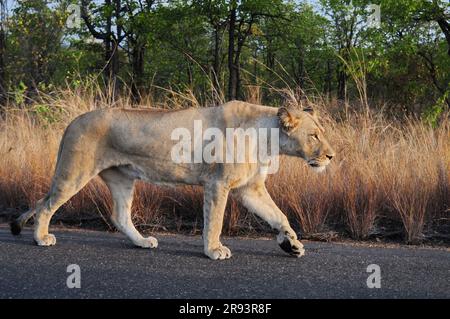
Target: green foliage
[[285, 44], [433, 114], [46, 113], [19, 93]]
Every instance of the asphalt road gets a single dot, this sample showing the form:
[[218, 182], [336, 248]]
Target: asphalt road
[[112, 268]]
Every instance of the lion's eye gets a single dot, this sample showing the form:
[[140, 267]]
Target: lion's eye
[[314, 137]]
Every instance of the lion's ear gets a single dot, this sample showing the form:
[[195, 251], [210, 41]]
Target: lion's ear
[[289, 122]]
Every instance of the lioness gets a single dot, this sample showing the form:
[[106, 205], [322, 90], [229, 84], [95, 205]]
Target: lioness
[[122, 145]]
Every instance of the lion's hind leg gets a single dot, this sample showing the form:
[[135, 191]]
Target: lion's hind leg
[[64, 186], [121, 187]]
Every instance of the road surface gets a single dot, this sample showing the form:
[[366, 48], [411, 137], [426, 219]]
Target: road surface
[[110, 267]]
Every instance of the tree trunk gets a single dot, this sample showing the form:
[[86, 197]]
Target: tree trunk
[[328, 79], [341, 74], [237, 67], [301, 66], [270, 56], [189, 74], [342, 86], [255, 65], [110, 41], [108, 47], [445, 27], [241, 37], [114, 62], [111, 50], [138, 72], [115, 46], [232, 68], [216, 59], [3, 89]]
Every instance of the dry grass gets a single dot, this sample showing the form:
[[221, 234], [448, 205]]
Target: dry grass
[[386, 173]]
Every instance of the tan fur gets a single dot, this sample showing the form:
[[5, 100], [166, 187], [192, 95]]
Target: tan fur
[[123, 145]]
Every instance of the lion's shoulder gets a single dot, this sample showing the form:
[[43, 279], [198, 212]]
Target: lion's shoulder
[[244, 111]]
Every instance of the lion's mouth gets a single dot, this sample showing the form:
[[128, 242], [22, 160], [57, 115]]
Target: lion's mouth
[[314, 164], [317, 166]]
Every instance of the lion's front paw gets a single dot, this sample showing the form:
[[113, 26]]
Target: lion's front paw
[[46, 240], [290, 244], [221, 253], [149, 242]]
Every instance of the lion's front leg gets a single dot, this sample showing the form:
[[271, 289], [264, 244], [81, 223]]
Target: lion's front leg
[[215, 200], [257, 200]]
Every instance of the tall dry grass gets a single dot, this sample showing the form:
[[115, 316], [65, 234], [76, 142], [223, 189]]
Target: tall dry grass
[[388, 177]]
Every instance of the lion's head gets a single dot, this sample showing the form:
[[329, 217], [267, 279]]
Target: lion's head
[[303, 136]]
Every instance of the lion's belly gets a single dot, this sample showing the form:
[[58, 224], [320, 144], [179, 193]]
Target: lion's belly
[[162, 173]]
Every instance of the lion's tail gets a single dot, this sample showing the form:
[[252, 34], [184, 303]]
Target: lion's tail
[[17, 224]]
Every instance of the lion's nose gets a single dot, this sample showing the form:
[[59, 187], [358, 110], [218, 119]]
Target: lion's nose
[[329, 156]]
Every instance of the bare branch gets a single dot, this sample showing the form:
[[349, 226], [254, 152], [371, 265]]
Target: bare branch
[[85, 16]]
